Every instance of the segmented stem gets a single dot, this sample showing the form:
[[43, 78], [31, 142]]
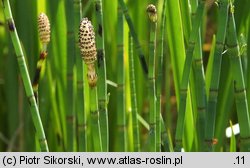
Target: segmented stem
[[71, 92], [215, 76], [25, 77], [239, 83], [88, 52], [151, 77], [135, 37], [102, 84], [121, 138], [185, 76], [134, 109]]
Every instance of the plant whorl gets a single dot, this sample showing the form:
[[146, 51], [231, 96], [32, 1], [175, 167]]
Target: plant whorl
[[152, 12], [87, 41], [44, 28]]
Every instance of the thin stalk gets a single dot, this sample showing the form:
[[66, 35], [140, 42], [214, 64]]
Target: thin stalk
[[186, 73], [102, 84], [134, 109], [159, 80], [200, 87], [95, 125], [58, 51], [135, 37], [239, 83], [40, 64], [71, 108], [151, 77], [25, 77], [80, 103], [164, 136], [215, 75], [88, 52], [121, 113]]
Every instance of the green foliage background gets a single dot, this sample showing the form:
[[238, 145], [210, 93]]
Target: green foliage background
[[17, 132]]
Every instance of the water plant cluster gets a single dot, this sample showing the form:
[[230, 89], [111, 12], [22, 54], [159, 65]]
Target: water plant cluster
[[96, 75]]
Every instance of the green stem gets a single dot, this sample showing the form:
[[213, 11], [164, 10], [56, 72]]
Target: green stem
[[80, 103], [159, 81], [121, 113], [71, 108], [134, 109], [134, 35], [95, 125], [200, 87], [25, 77], [215, 76], [152, 91], [239, 83], [185, 76], [102, 84]]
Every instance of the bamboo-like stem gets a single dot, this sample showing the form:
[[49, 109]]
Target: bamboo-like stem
[[95, 125], [134, 109], [185, 75], [151, 77], [164, 136], [121, 138], [159, 130], [25, 77], [215, 76], [135, 37], [201, 98], [88, 52], [71, 108], [81, 114], [239, 83], [102, 84]]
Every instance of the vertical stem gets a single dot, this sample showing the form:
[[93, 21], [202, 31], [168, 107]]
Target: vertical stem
[[70, 114], [101, 85], [239, 83], [95, 125], [121, 113], [25, 77], [135, 37], [134, 109], [151, 81], [80, 103], [185, 76], [159, 130], [199, 78], [215, 76]]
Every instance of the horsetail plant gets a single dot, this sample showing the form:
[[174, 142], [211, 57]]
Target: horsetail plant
[[134, 109], [160, 127], [199, 79], [102, 84], [44, 36], [186, 73], [239, 83], [135, 37], [81, 90], [25, 77], [71, 92], [152, 13], [121, 113], [88, 52], [215, 75]]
